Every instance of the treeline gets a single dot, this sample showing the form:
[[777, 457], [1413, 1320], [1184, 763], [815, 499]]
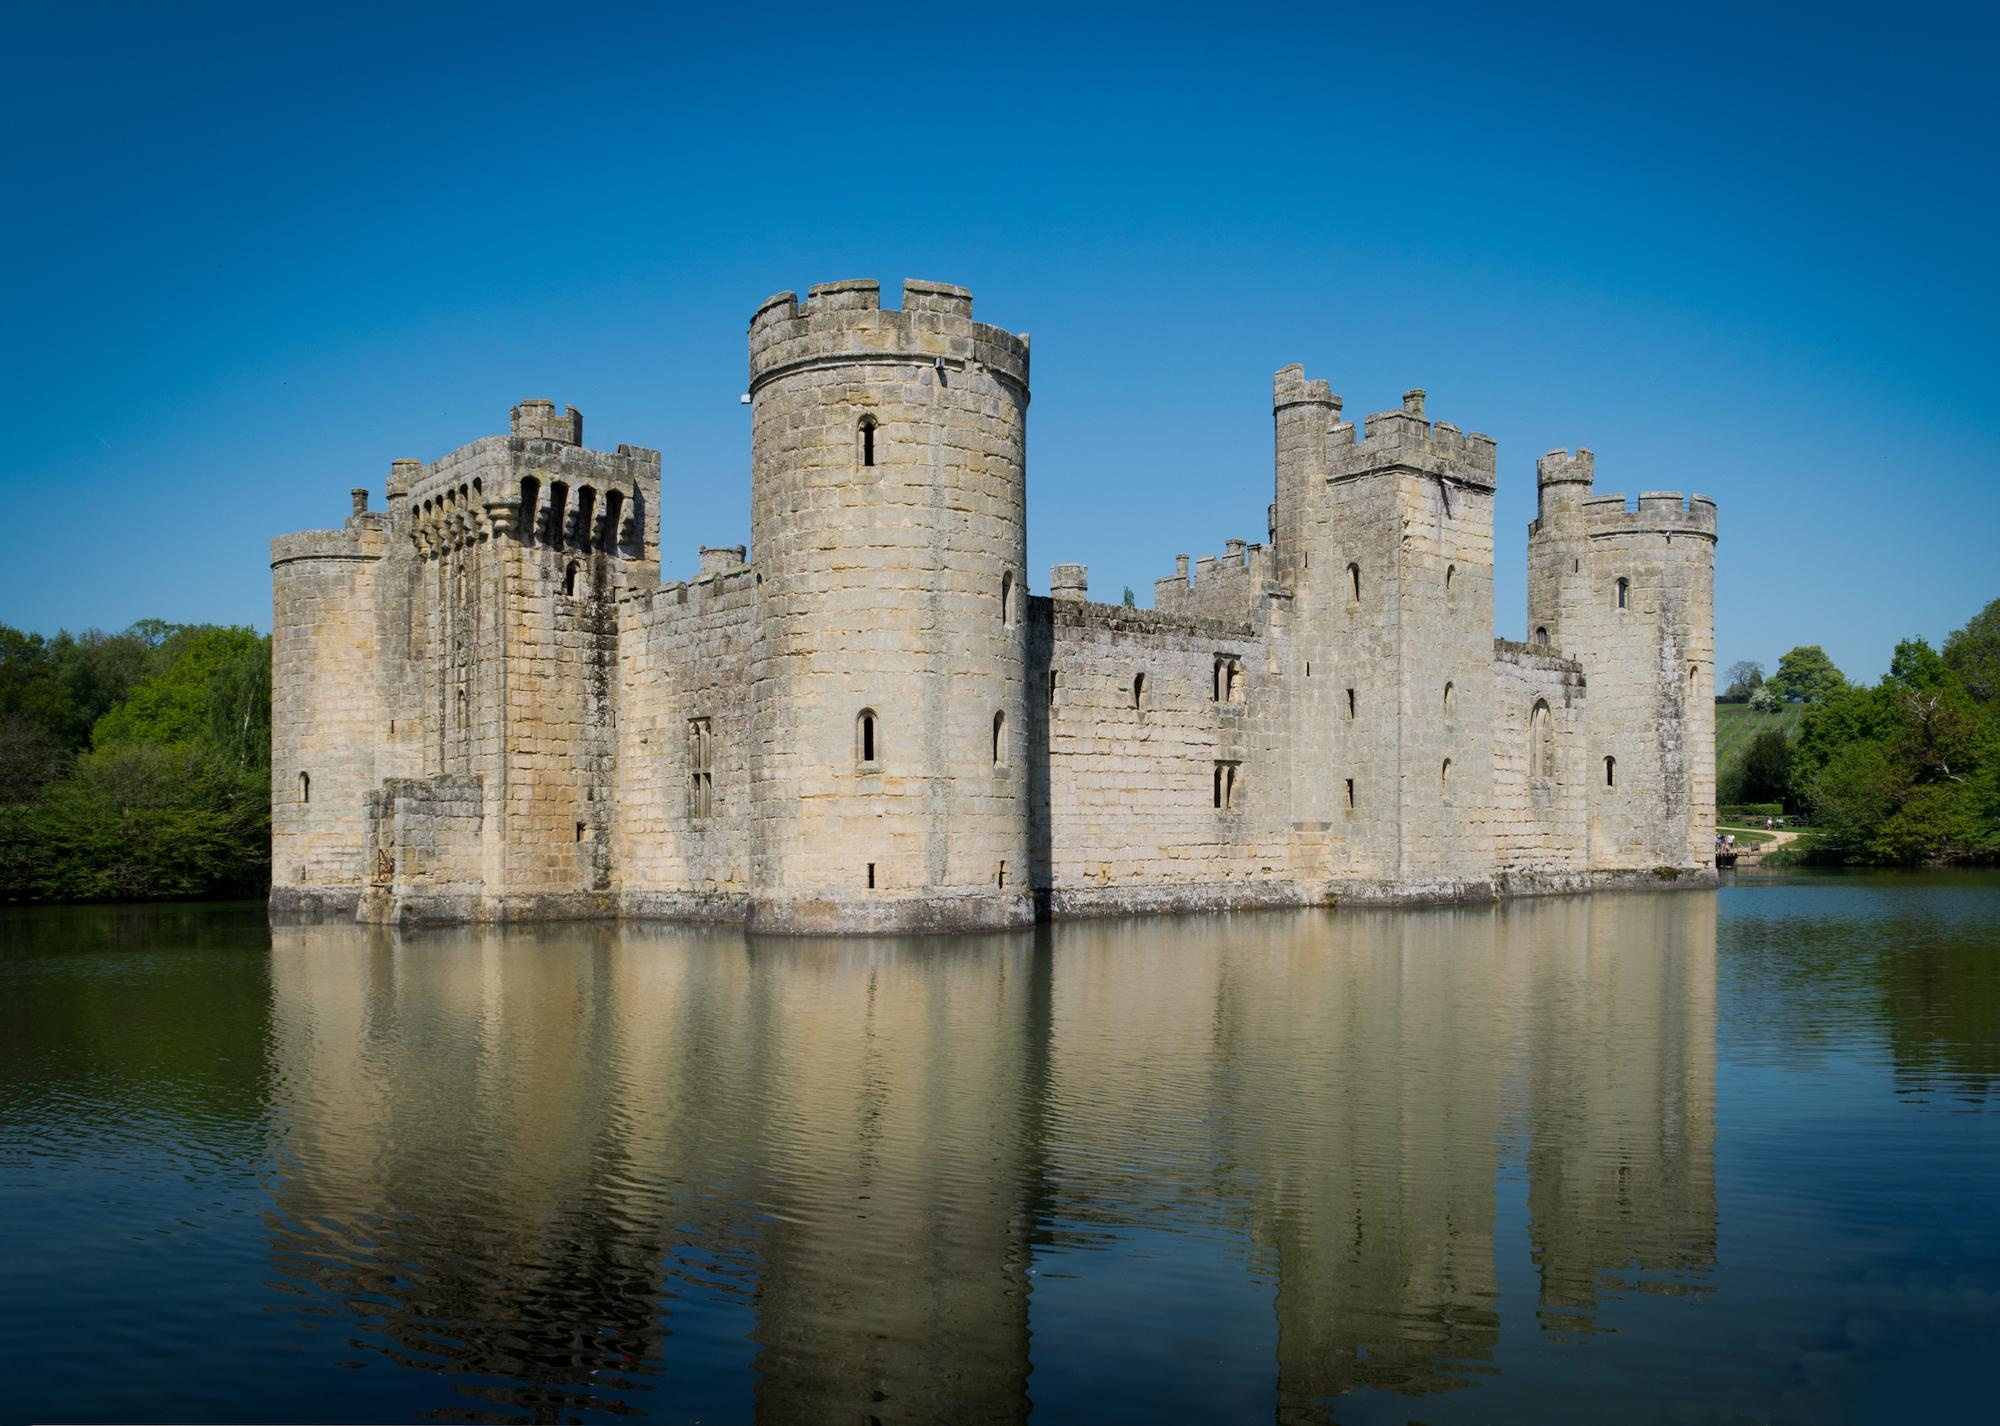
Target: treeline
[[135, 765], [1902, 773]]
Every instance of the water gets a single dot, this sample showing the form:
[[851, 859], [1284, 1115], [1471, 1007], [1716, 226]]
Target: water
[[1729, 1156]]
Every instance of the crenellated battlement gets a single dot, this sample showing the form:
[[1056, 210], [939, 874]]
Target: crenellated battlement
[[536, 420], [1662, 512], [845, 322], [1408, 439], [1559, 467], [1291, 387]]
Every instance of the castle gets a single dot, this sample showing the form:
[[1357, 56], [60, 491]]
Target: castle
[[488, 707]]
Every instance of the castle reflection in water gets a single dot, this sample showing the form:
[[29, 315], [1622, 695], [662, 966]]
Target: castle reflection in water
[[577, 1168]]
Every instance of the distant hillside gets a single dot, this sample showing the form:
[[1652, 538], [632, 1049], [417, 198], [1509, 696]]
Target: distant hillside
[[1737, 723]]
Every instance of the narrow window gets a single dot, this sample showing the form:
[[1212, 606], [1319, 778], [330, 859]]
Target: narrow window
[[1624, 592], [1444, 777], [1225, 786], [1052, 688], [1350, 705], [1450, 578], [305, 787], [1309, 668], [1541, 636], [1350, 794], [1007, 599], [558, 513], [1000, 739], [871, 876], [867, 440], [531, 495], [1221, 679], [1541, 742], [1354, 582], [586, 515], [864, 735], [1235, 680], [614, 521], [1000, 876], [701, 768], [1139, 691], [569, 578], [579, 831], [1611, 772], [1218, 786], [1447, 700]]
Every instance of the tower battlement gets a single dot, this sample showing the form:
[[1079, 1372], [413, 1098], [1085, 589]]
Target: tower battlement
[[1662, 512], [536, 420], [846, 322], [1559, 467], [1407, 438]]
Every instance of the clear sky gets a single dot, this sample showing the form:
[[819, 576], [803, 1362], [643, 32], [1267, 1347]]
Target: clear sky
[[253, 253]]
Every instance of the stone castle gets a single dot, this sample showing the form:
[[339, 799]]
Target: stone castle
[[488, 707]]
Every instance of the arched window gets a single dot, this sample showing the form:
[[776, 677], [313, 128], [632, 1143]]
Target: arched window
[[586, 517], [1354, 582], [614, 521], [866, 440], [1611, 772], [1235, 690], [865, 745], [1444, 776], [1450, 578], [305, 787], [1541, 636], [569, 578], [531, 495], [1000, 738], [1139, 691], [1007, 598], [1541, 741], [558, 513], [1624, 592], [1447, 699]]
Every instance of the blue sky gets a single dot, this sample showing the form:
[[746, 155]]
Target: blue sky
[[253, 254]]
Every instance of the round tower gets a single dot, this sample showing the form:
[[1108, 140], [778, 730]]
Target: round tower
[[889, 530], [1558, 547]]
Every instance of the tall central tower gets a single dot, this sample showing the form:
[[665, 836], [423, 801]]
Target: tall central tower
[[888, 520]]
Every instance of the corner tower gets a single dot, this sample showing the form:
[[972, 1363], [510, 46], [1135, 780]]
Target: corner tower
[[888, 516], [1630, 595]]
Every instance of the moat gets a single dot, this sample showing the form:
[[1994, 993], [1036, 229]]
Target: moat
[[1724, 1155]]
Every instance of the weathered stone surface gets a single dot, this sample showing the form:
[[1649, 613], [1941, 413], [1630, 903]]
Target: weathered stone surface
[[487, 707]]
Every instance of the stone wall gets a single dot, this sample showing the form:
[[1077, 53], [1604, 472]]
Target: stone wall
[[1539, 771], [685, 712], [1165, 786]]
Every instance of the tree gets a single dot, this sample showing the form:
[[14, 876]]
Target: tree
[[1131, 599], [1765, 701], [1807, 675], [1767, 768], [1746, 676], [1973, 653]]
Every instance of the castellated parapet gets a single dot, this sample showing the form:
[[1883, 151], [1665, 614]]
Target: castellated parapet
[[488, 707]]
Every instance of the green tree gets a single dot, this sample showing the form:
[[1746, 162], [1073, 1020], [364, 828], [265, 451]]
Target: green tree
[[1973, 653], [1131, 599], [1807, 675], [1766, 774]]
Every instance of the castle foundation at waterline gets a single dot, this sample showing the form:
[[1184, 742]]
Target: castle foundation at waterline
[[488, 707]]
